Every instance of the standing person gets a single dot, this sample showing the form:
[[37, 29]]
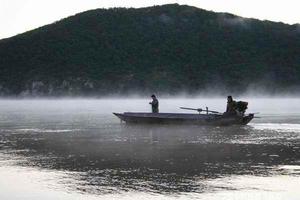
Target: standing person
[[231, 106], [154, 104]]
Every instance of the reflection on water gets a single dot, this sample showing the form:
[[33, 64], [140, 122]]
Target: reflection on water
[[77, 149]]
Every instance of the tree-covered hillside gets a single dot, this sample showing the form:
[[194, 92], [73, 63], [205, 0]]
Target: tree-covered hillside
[[168, 48]]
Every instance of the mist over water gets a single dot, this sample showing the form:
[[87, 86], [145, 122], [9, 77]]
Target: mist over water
[[76, 149]]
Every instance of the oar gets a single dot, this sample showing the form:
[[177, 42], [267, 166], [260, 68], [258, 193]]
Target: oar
[[199, 110]]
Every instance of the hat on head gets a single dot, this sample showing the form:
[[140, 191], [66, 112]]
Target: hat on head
[[152, 95]]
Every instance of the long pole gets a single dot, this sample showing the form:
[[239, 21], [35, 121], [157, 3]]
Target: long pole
[[200, 110]]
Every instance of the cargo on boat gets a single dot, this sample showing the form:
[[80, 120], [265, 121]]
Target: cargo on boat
[[185, 118]]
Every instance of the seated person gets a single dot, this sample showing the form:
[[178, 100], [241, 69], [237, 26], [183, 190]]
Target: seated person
[[235, 108], [231, 106]]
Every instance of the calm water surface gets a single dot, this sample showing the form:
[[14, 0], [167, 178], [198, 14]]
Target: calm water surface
[[76, 149]]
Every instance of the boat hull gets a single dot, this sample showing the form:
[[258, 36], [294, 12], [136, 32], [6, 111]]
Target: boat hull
[[184, 118]]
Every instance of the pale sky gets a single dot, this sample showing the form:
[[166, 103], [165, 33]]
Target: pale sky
[[18, 16]]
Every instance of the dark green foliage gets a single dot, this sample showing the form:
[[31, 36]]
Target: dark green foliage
[[167, 48]]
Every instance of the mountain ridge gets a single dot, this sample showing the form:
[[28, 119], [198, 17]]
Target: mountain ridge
[[169, 48]]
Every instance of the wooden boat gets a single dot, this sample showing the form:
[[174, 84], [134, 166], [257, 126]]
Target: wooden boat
[[185, 118]]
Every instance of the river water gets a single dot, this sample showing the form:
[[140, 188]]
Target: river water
[[76, 149]]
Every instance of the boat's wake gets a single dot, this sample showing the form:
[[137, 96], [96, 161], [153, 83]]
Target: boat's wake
[[278, 127]]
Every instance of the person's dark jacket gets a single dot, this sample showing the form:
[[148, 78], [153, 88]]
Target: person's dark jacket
[[154, 105], [231, 107]]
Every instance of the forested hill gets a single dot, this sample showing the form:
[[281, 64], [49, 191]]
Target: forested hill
[[170, 48]]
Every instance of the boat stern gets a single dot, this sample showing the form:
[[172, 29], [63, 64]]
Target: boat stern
[[247, 118]]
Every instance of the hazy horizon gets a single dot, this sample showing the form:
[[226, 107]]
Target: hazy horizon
[[162, 95]]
